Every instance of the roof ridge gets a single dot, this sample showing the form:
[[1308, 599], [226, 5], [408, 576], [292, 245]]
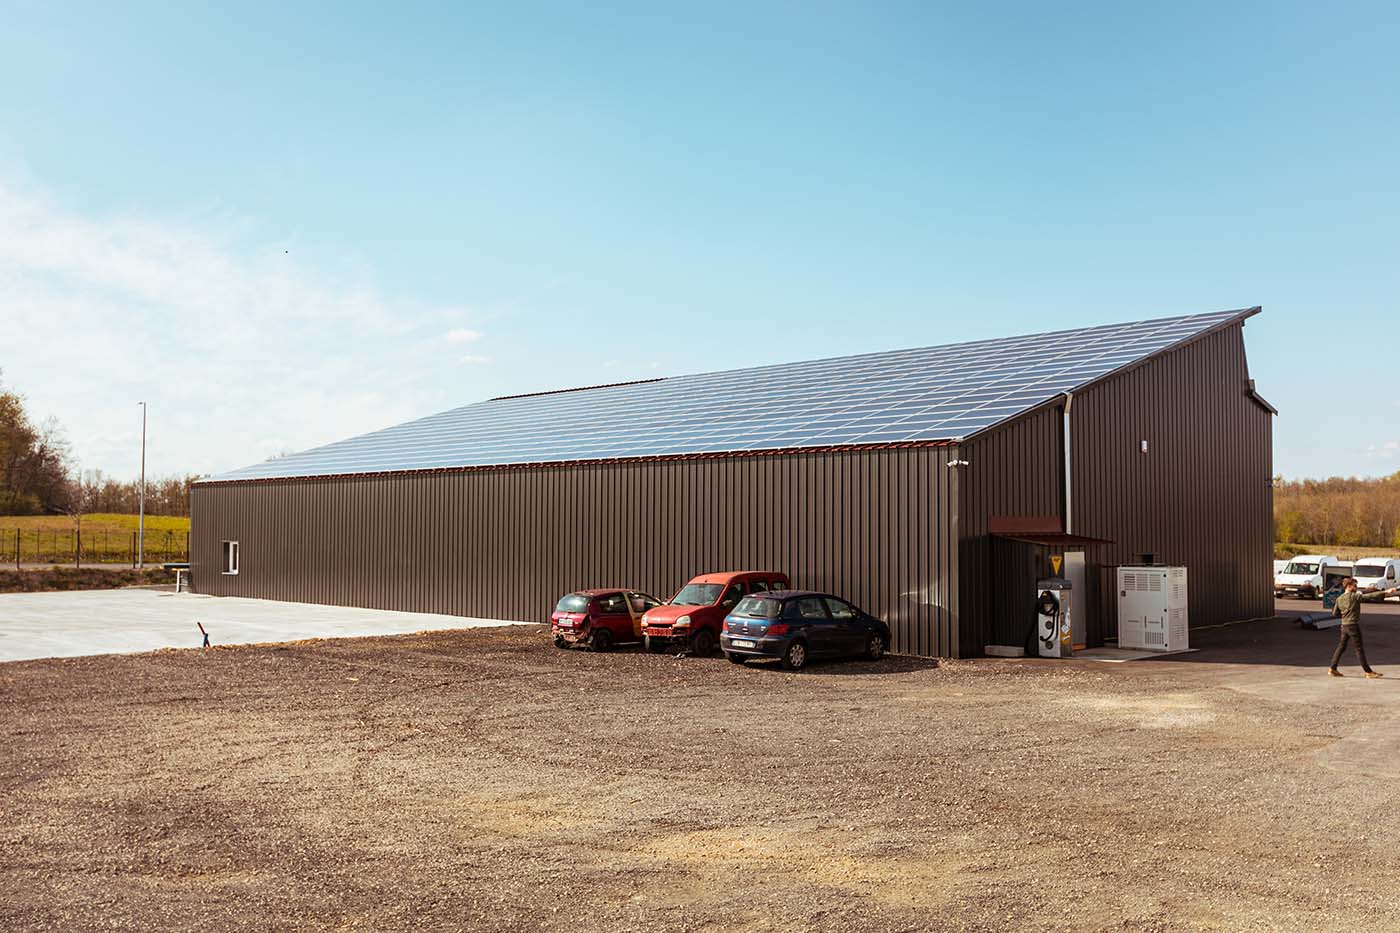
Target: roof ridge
[[914, 395], [605, 385], [1235, 313]]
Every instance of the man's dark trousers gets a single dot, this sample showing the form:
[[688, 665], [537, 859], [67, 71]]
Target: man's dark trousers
[[1352, 632]]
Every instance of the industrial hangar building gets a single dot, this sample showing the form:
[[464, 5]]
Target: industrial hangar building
[[929, 486]]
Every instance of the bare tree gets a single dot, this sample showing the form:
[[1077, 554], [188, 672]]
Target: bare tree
[[79, 492]]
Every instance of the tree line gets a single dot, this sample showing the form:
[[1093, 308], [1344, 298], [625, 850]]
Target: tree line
[[39, 476], [1340, 510]]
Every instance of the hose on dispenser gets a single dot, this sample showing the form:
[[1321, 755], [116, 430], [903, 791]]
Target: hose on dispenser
[[1048, 605]]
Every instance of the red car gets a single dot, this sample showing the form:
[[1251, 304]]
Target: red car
[[693, 617], [600, 619]]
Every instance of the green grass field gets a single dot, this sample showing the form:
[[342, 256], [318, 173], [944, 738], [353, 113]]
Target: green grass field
[[106, 538]]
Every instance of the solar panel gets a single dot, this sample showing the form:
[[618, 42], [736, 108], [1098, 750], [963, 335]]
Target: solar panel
[[930, 394]]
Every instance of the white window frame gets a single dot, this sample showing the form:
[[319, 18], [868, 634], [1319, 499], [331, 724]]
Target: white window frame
[[230, 549]]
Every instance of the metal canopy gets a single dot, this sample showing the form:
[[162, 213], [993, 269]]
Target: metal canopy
[[1054, 539], [905, 396], [1047, 530]]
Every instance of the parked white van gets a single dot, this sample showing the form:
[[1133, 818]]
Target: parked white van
[[1306, 575], [1376, 573]]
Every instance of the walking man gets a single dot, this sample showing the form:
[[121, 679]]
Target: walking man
[[1348, 606]]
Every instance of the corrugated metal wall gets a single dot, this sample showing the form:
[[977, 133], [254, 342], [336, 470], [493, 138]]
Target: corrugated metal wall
[[1013, 470], [1202, 496], [877, 526]]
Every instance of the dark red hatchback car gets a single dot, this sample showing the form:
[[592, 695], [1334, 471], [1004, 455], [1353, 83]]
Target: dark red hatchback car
[[599, 619]]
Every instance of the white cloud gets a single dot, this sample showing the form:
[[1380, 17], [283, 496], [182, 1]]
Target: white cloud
[[240, 354], [473, 358]]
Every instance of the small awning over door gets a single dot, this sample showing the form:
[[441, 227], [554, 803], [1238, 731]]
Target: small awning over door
[[1038, 529]]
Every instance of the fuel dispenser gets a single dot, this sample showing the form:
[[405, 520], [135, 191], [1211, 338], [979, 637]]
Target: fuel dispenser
[[1054, 636]]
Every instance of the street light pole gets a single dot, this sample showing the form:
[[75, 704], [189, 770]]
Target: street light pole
[[141, 520]]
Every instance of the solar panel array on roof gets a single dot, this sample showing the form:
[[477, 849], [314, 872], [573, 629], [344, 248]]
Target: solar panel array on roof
[[934, 393]]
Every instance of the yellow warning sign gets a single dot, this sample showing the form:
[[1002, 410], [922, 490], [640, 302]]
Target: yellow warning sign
[[1055, 562]]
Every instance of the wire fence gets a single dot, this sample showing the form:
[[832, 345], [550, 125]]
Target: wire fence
[[37, 546]]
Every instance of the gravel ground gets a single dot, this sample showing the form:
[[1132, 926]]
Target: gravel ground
[[483, 780]]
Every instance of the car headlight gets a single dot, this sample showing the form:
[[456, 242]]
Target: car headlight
[[682, 622]]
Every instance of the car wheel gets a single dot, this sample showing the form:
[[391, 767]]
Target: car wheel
[[795, 657], [737, 658], [702, 643], [602, 639], [559, 642], [875, 646]]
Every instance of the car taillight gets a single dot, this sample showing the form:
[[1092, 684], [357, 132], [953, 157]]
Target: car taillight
[[777, 628], [725, 625]]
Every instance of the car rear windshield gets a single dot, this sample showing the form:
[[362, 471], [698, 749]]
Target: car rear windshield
[[1367, 570], [1296, 567], [698, 594], [754, 607], [574, 602]]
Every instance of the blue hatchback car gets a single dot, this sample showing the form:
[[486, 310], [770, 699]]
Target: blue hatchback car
[[798, 625]]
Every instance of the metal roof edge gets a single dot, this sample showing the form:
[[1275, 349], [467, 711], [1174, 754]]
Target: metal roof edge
[[1239, 317], [546, 464], [1259, 400], [605, 385]]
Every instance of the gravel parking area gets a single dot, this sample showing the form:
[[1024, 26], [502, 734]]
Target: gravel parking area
[[483, 780]]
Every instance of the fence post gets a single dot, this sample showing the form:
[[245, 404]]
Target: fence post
[[16, 548], [133, 550], [78, 549]]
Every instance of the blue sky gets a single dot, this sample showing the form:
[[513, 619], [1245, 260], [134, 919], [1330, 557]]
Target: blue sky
[[286, 224]]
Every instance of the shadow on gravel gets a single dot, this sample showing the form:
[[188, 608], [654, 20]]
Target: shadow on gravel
[[1282, 641], [846, 667], [853, 667]]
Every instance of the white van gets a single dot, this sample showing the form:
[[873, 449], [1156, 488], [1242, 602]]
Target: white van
[[1374, 574], [1306, 575]]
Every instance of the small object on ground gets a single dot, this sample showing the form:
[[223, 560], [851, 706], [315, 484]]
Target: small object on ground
[[1319, 620], [1334, 672], [204, 633], [1374, 674]]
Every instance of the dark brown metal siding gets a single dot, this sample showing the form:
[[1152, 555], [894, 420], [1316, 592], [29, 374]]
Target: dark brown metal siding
[[1201, 497], [1014, 470], [877, 526]]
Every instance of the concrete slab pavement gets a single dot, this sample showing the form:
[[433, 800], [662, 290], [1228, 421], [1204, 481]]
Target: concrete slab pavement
[[1282, 661], [71, 624]]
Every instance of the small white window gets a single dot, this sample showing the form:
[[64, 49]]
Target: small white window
[[230, 557]]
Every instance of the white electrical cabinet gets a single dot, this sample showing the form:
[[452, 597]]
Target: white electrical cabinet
[[1152, 608]]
